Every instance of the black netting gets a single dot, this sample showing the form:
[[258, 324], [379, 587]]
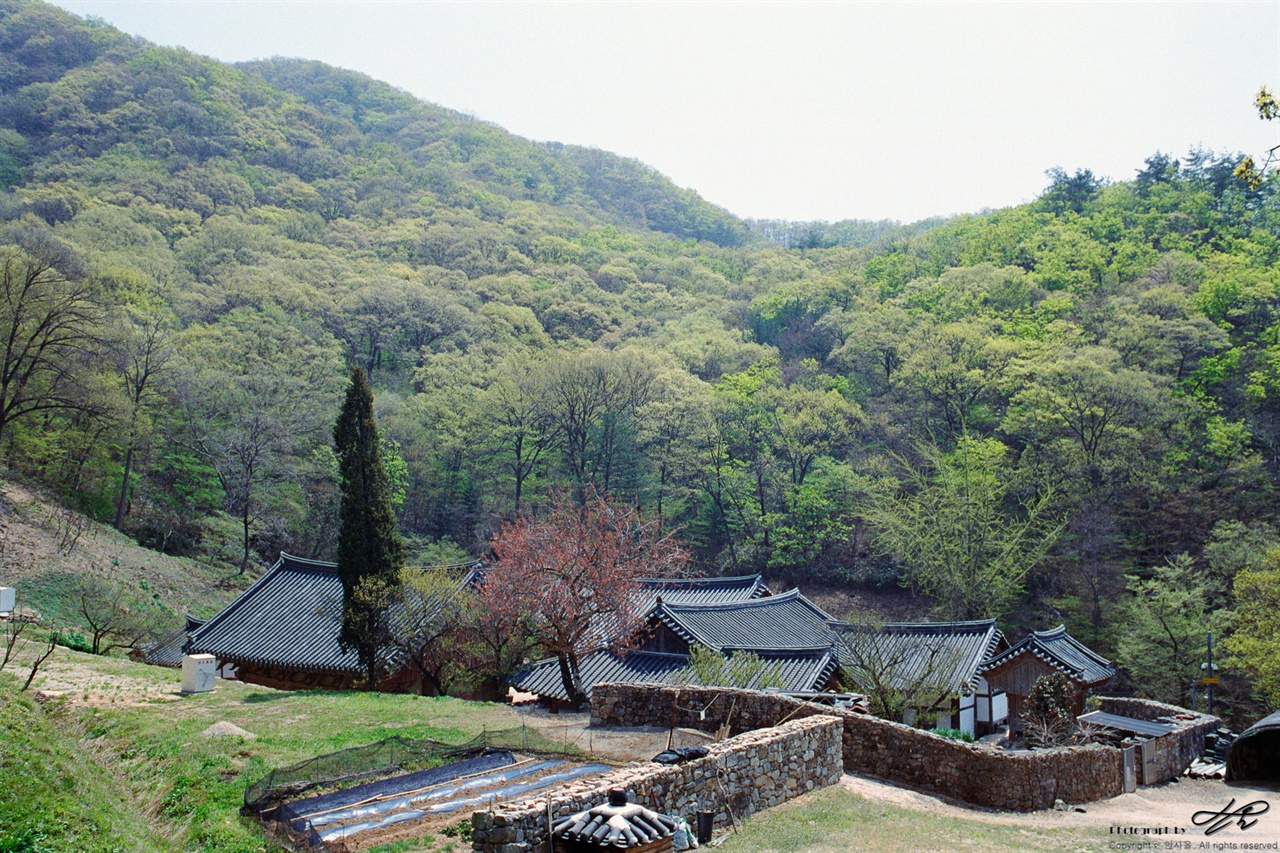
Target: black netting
[[395, 755]]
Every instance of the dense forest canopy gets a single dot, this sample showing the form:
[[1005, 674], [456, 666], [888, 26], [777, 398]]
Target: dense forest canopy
[[1086, 388]]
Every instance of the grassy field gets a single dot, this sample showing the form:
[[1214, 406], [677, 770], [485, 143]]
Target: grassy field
[[119, 762], [836, 821]]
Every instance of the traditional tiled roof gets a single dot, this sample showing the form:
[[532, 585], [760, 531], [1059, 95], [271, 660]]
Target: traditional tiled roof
[[701, 590], [289, 618], [727, 615], [1061, 651], [947, 653], [798, 669], [167, 651], [775, 623]]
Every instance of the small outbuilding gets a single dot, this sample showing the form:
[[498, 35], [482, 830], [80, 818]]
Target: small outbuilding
[[1015, 670], [1255, 755]]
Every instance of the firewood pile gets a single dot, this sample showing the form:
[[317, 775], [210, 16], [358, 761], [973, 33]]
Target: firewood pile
[[1213, 764]]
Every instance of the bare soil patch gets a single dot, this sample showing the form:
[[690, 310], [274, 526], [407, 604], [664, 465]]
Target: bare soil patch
[[638, 743], [101, 681], [44, 546]]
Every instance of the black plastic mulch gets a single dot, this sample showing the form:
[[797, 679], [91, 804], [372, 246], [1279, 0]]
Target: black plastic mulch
[[295, 812]]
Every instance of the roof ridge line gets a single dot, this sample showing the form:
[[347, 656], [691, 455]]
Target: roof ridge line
[[755, 577], [772, 649], [777, 598]]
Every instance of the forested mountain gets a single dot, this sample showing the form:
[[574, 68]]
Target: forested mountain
[[1066, 410]]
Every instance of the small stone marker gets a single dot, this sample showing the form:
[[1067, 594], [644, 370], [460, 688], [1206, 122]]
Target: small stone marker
[[199, 673], [8, 599]]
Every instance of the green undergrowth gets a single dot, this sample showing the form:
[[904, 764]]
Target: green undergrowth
[[55, 796]]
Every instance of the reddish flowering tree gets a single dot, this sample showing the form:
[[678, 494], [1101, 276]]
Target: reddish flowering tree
[[571, 576]]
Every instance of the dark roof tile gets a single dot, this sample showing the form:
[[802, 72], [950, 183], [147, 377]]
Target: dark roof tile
[[777, 622], [946, 653], [701, 590], [289, 618], [799, 670], [1061, 651]]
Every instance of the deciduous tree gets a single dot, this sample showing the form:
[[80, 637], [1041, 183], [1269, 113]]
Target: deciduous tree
[[573, 572], [1254, 646], [951, 529], [48, 316]]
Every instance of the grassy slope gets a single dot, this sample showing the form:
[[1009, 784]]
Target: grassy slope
[[55, 797], [173, 784], [41, 561], [120, 763]]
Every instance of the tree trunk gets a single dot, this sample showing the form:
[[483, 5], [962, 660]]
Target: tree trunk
[[569, 675], [123, 503], [244, 517]]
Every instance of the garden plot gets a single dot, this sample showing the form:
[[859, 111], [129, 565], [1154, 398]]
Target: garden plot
[[419, 803]]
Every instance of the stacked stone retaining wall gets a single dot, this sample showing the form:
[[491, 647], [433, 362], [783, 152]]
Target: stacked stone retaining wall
[[1019, 781], [1173, 752], [756, 770]]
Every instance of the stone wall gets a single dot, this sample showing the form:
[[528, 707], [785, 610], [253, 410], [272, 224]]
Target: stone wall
[[702, 708], [1173, 752], [1020, 781], [753, 771]]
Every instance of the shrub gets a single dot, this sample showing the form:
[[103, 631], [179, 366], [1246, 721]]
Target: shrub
[[75, 641], [954, 734], [1049, 714]]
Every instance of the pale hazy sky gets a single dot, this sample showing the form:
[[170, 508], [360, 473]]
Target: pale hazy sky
[[796, 110]]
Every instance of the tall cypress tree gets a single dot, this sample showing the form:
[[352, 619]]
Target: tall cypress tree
[[370, 550]]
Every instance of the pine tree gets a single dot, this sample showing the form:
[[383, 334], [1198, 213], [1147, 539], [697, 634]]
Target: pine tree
[[370, 550]]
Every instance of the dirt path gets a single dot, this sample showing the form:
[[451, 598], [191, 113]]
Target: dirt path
[[1169, 806]]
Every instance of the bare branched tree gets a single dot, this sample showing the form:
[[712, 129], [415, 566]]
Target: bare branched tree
[[14, 628], [48, 323], [41, 656], [115, 617], [141, 353], [898, 669]]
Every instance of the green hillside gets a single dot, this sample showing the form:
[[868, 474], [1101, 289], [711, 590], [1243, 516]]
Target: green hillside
[[1063, 411], [112, 759]]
